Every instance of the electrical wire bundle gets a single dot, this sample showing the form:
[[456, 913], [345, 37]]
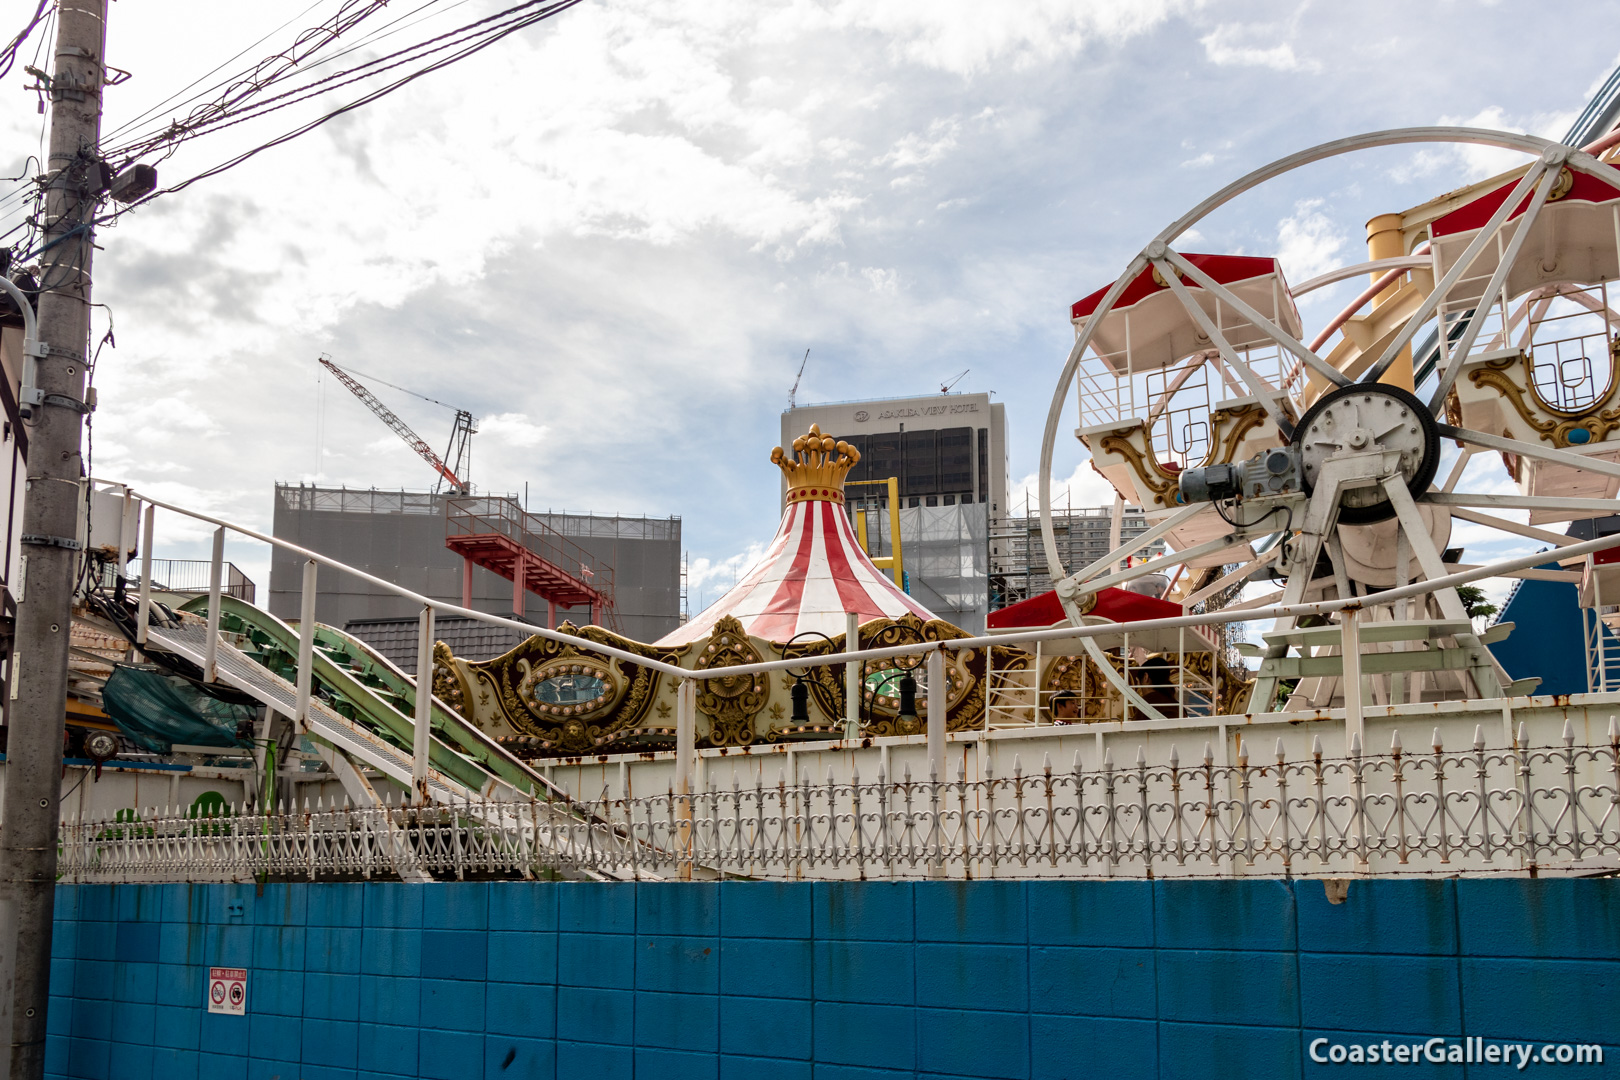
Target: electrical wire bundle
[[22, 202], [245, 102], [8, 57], [311, 67]]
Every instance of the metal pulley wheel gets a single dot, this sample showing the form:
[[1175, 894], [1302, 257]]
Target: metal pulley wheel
[[1362, 419]]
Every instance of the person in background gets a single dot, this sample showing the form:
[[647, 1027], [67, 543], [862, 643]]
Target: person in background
[[1065, 706]]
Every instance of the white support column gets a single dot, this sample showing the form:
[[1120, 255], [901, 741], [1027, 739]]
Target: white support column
[[144, 611], [1350, 647], [685, 735], [685, 752], [852, 678], [126, 531], [306, 647], [936, 712], [422, 735], [216, 571]]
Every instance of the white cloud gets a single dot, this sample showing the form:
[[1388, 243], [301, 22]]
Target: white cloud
[[513, 429], [1468, 162], [1083, 487], [613, 235], [1258, 45], [710, 574], [1308, 243], [966, 38], [915, 149]]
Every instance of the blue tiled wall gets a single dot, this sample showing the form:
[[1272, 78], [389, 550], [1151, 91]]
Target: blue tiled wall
[[860, 981]]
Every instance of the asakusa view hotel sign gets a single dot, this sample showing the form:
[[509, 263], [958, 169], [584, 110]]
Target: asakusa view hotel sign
[[862, 416]]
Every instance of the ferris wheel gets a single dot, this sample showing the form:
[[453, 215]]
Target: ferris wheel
[[1260, 450]]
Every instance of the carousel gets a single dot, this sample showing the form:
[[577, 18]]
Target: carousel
[[814, 590]]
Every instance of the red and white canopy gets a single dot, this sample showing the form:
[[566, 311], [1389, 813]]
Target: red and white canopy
[[1574, 239], [813, 572], [1147, 328]]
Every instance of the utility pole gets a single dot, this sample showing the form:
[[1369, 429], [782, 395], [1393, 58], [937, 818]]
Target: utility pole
[[38, 669]]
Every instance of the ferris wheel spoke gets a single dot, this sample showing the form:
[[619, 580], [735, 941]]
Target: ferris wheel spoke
[[1498, 280], [1575, 508], [1261, 389], [1285, 339], [1164, 562], [1432, 302], [1531, 450], [1241, 574], [1137, 543], [1490, 521]]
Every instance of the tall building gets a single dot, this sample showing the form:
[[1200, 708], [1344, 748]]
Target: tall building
[[948, 454], [945, 449], [400, 536]]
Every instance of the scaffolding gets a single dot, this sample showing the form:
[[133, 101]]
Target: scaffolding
[[1083, 534], [942, 560]]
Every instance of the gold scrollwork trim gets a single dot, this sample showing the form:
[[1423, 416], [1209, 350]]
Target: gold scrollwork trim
[[965, 672], [1595, 419], [1164, 482], [731, 703], [615, 717]]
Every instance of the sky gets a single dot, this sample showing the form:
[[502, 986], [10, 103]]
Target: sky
[[613, 236]]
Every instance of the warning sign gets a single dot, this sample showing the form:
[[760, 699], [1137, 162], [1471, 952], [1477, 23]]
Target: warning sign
[[227, 991]]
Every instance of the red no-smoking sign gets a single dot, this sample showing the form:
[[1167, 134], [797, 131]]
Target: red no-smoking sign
[[227, 991]]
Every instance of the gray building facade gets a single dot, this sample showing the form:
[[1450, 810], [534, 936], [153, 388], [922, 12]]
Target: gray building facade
[[945, 449], [948, 453], [399, 536]]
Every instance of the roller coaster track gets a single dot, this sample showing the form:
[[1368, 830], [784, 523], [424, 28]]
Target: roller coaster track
[[363, 708]]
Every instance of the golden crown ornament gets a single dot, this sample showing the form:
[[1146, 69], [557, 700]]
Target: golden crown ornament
[[819, 467]]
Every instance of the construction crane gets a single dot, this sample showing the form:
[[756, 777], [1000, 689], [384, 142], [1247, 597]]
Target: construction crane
[[945, 388], [459, 451], [793, 394]]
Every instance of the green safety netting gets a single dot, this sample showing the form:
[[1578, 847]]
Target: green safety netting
[[158, 710]]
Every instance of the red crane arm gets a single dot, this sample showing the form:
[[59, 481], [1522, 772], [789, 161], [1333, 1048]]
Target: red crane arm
[[400, 428]]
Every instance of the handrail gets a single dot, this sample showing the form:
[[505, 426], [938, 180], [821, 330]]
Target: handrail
[[1320, 607]]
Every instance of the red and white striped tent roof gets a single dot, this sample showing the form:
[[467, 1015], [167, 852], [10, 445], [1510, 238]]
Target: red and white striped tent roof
[[814, 571]]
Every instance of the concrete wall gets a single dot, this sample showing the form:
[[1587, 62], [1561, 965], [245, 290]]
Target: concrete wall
[[851, 981], [406, 546]]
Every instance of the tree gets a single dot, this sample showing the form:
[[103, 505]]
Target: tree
[[1474, 602]]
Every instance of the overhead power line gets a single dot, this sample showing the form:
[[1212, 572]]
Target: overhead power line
[[176, 98], [466, 41], [140, 129], [208, 121], [8, 56], [244, 102]]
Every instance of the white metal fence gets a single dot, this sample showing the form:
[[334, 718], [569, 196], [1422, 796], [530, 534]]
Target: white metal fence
[[1514, 810]]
